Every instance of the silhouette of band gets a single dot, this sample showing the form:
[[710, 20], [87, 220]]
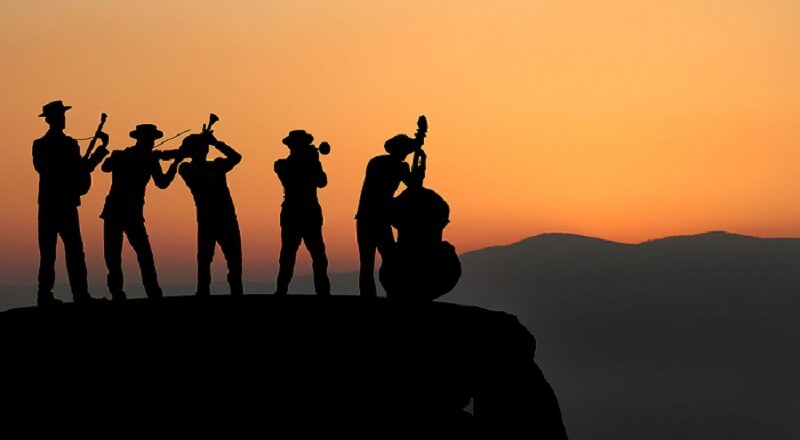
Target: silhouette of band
[[418, 265]]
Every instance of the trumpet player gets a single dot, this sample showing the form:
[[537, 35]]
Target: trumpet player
[[216, 215], [301, 174]]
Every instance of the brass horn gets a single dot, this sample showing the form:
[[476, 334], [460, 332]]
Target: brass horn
[[212, 118]]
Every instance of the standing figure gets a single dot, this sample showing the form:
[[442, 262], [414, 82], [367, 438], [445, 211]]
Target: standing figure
[[301, 216], [216, 215], [64, 176], [373, 223], [131, 170]]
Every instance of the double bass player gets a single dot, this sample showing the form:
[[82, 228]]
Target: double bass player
[[373, 219]]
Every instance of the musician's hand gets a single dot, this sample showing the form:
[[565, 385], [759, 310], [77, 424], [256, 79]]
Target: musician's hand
[[100, 152], [210, 138], [103, 138], [166, 154]]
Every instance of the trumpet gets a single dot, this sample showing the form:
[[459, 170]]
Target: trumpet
[[177, 152], [212, 118], [324, 148]]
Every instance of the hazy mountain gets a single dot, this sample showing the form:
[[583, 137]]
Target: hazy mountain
[[683, 337], [546, 276]]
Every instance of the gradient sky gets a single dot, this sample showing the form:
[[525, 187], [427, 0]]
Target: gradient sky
[[623, 119]]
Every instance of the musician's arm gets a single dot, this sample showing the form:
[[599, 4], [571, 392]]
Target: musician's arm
[[96, 157], [423, 165], [110, 163], [232, 157], [322, 178], [417, 174], [280, 168], [183, 170], [162, 179], [405, 173], [99, 153], [39, 162]]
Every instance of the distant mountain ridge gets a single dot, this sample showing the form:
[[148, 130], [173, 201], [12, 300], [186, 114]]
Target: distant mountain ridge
[[645, 340], [694, 262], [570, 238]]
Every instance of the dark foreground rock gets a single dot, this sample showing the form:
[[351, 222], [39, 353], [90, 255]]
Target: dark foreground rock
[[255, 363]]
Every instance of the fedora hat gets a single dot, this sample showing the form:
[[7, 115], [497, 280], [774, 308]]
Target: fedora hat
[[147, 131], [400, 144], [53, 108], [298, 137]]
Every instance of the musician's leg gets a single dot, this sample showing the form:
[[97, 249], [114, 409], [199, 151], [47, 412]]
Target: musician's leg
[[140, 242], [206, 241], [230, 241], [291, 236], [366, 255], [76, 259], [384, 238], [312, 236], [48, 235], [112, 251]]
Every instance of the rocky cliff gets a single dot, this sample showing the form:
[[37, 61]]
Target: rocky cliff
[[259, 361]]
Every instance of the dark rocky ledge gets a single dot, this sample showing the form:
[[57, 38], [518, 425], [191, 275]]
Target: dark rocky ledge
[[259, 361]]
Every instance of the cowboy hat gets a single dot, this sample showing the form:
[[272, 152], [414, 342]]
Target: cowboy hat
[[298, 137], [147, 131], [54, 107]]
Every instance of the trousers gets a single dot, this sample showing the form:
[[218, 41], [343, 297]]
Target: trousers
[[139, 241], [226, 233], [292, 234], [63, 222], [372, 235]]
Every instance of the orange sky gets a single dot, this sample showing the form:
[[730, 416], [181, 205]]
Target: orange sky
[[624, 119]]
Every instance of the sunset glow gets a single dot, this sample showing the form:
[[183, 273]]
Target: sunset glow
[[626, 120]]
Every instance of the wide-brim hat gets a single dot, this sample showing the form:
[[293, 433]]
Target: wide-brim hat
[[54, 108], [146, 131], [298, 137], [401, 144]]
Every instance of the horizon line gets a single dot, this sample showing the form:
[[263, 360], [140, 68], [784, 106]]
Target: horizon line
[[629, 243]]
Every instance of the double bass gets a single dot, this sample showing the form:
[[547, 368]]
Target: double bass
[[420, 266]]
